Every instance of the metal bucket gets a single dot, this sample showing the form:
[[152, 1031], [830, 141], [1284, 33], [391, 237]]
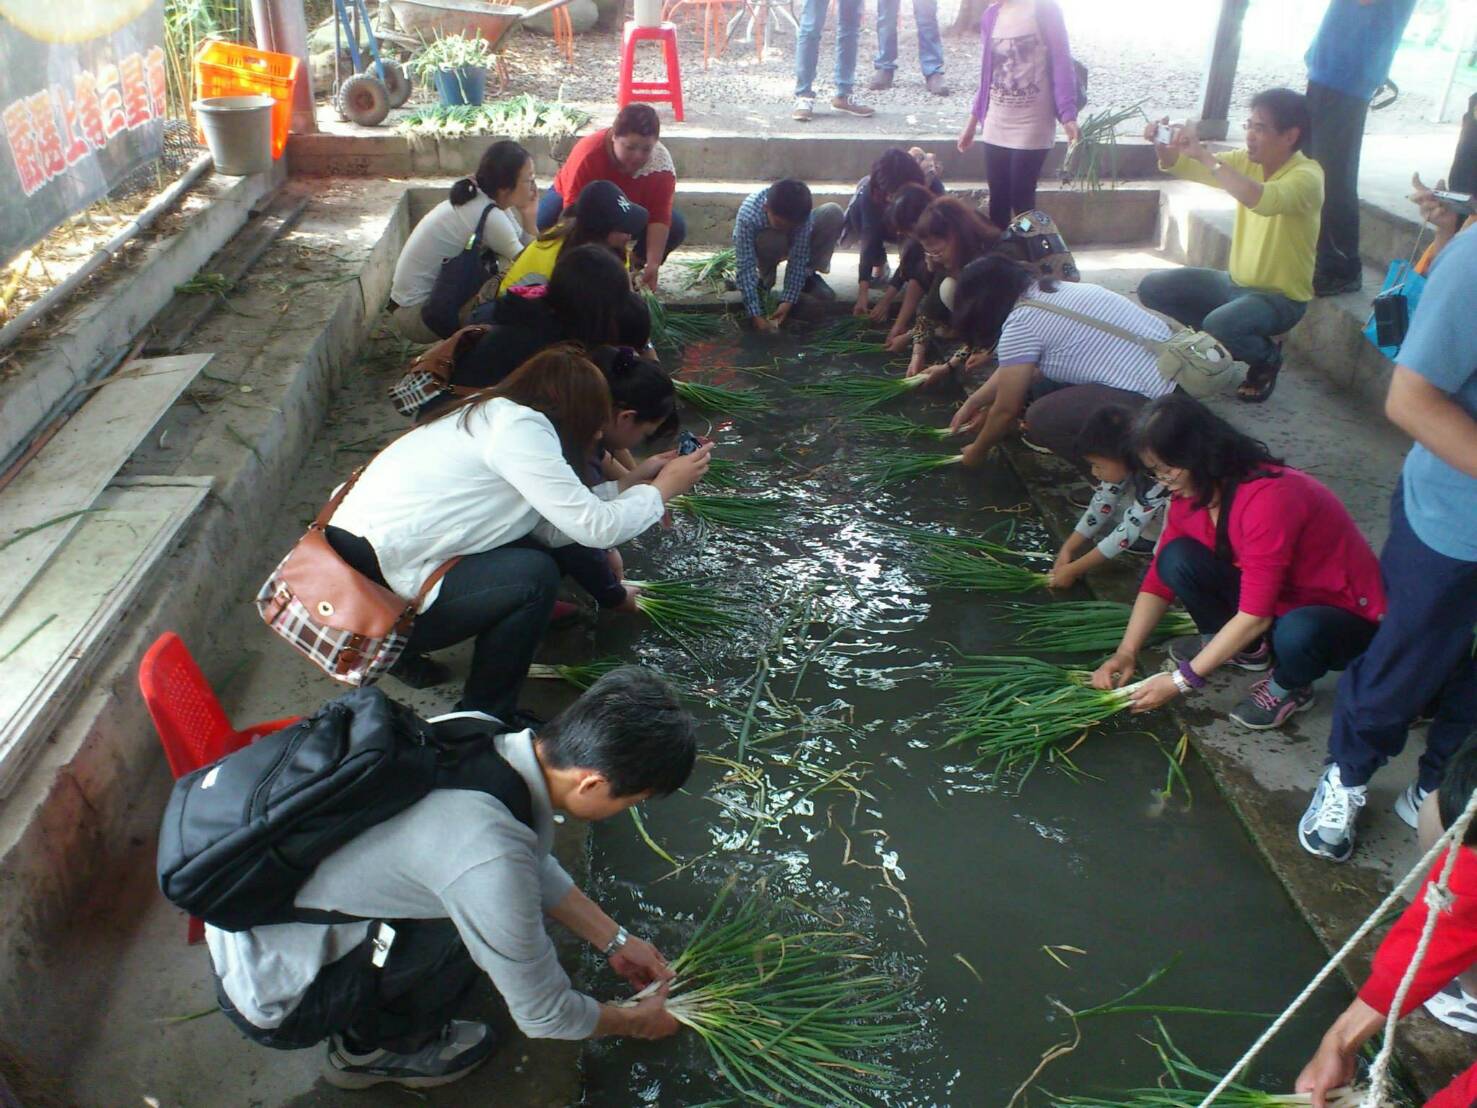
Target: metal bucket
[[238, 131]]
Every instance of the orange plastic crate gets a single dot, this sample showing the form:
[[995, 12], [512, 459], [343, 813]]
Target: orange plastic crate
[[227, 69]]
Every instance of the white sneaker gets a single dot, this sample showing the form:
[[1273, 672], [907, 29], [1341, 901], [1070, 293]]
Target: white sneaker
[[804, 109], [1455, 1007], [1408, 804], [1327, 827]]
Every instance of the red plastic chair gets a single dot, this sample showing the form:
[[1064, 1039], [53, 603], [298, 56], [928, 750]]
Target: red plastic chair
[[667, 91], [192, 725]]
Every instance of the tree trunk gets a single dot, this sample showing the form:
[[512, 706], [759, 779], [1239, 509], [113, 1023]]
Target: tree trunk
[[968, 20]]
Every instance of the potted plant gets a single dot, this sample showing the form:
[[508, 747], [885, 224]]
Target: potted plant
[[457, 66]]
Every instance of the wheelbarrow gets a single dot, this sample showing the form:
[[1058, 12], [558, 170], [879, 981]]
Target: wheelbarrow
[[420, 21], [377, 83]]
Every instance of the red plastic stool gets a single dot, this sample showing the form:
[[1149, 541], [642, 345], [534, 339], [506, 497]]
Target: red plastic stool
[[670, 90]]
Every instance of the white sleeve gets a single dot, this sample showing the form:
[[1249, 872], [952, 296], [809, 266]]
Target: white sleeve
[[526, 454], [499, 236]]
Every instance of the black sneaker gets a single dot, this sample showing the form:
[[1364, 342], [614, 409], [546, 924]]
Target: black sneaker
[[815, 285], [1140, 548], [420, 671], [1324, 285], [462, 1046]]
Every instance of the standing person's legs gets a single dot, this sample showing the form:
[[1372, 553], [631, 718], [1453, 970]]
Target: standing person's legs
[[1208, 587], [997, 177], [501, 598], [1057, 418], [848, 37], [550, 204], [1025, 171], [1337, 135], [1187, 294], [1422, 655], [886, 59], [808, 47], [1247, 323], [930, 42]]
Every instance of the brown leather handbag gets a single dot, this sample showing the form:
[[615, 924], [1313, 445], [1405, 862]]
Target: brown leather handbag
[[350, 627], [429, 376]]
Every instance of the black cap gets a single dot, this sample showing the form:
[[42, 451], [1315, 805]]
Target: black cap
[[602, 208]]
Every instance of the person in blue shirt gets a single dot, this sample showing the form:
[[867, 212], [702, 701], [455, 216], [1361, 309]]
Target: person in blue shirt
[[1420, 660], [776, 224], [1349, 59]]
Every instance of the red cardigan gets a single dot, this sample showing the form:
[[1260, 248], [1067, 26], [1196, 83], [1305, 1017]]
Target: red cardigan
[[1294, 542], [590, 160]]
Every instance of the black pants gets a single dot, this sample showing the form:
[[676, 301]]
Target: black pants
[[1338, 134], [399, 1006], [1012, 176], [1306, 642], [500, 598]]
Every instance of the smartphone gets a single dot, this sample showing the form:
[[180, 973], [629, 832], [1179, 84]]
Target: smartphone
[[1164, 135], [1459, 202], [687, 442]]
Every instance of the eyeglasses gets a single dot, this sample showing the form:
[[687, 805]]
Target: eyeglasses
[[1251, 127], [1164, 474]]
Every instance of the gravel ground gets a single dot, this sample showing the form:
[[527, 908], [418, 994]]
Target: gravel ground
[[1147, 51]]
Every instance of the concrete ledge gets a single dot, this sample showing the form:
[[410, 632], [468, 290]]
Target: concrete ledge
[[99, 324]]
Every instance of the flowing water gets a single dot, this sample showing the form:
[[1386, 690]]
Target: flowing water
[[948, 872]]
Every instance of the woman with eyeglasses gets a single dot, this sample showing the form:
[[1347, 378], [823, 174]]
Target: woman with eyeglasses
[[1268, 562]]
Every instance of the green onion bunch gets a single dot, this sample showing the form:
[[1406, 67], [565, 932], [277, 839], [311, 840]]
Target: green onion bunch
[[850, 337], [711, 271], [979, 570], [670, 330], [723, 473], [900, 426], [581, 676], [858, 394], [716, 400], [1087, 626], [1095, 153], [789, 1017], [744, 513], [930, 541], [891, 467], [687, 608]]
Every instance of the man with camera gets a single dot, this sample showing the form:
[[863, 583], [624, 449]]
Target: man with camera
[[455, 886], [1278, 191]]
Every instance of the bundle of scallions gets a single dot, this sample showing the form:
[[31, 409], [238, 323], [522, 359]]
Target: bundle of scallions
[[980, 544], [979, 569], [670, 329], [1016, 710], [858, 394], [789, 1017], [743, 513], [581, 675], [891, 467], [687, 608], [900, 426], [716, 400], [723, 473], [1087, 626], [846, 338], [711, 271]]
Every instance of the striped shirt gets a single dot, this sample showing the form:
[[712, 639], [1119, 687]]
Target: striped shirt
[[1073, 353], [752, 218]]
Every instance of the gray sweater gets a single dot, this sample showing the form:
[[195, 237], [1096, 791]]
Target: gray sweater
[[454, 854]]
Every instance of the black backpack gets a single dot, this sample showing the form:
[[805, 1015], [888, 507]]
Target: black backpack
[[240, 837]]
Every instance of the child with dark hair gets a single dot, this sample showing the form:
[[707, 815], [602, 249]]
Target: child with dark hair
[[1127, 506], [780, 224]]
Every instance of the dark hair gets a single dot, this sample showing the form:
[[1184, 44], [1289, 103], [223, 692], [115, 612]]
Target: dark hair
[[1182, 432], [638, 385], [790, 199], [950, 218], [634, 328], [1108, 433], [499, 168], [574, 233], [637, 119], [1288, 109], [631, 728], [907, 206], [565, 386], [988, 291], [1457, 782], [588, 291], [894, 169]]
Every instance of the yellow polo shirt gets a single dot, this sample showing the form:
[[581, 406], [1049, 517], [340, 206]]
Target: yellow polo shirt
[[535, 261], [1275, 244]]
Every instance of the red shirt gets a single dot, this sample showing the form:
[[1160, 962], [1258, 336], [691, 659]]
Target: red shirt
[[1294, 542], [590, 160]]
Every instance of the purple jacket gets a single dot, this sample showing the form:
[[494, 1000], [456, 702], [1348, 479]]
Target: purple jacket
[[1063, 76]]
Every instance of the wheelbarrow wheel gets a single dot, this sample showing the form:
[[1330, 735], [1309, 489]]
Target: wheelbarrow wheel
[[364, 100], [397, 83]]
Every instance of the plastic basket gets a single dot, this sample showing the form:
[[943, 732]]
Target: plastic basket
[[228, 69]]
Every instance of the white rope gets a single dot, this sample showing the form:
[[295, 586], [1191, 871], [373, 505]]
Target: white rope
[[1454, 833]]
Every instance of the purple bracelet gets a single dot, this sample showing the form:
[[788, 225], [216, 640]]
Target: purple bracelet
[[1193, 679]]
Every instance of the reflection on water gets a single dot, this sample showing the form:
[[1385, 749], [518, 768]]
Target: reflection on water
[[843, 799]]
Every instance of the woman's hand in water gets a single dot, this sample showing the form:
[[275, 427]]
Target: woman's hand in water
[[681, 473]]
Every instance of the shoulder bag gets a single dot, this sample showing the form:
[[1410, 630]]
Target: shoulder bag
[[429, 376]]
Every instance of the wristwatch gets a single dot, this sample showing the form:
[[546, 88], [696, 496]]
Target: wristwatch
[[621, 937]]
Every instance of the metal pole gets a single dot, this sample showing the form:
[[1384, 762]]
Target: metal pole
[[1220, 71], [282, 28]]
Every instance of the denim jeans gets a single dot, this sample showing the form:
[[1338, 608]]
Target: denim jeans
[[550, 204], [930, 44], [1208, 300], [1337, 135], [1306, 642], [808, 45], [1421, 658]]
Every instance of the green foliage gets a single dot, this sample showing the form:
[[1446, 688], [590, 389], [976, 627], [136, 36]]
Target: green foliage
[[516, 117], [451, 52], [858, 394], [716, 400], [712, 271], [742, 513], [1087, 626], [892, 467]]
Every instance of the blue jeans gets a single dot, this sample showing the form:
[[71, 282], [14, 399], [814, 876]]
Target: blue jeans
[[930, 45], [1421, 658], [808, 45], [1306, 642], [550, 204], [1208, 300]]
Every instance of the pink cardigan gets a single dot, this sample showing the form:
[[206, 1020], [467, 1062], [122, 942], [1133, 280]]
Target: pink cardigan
[[1295, 544]]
